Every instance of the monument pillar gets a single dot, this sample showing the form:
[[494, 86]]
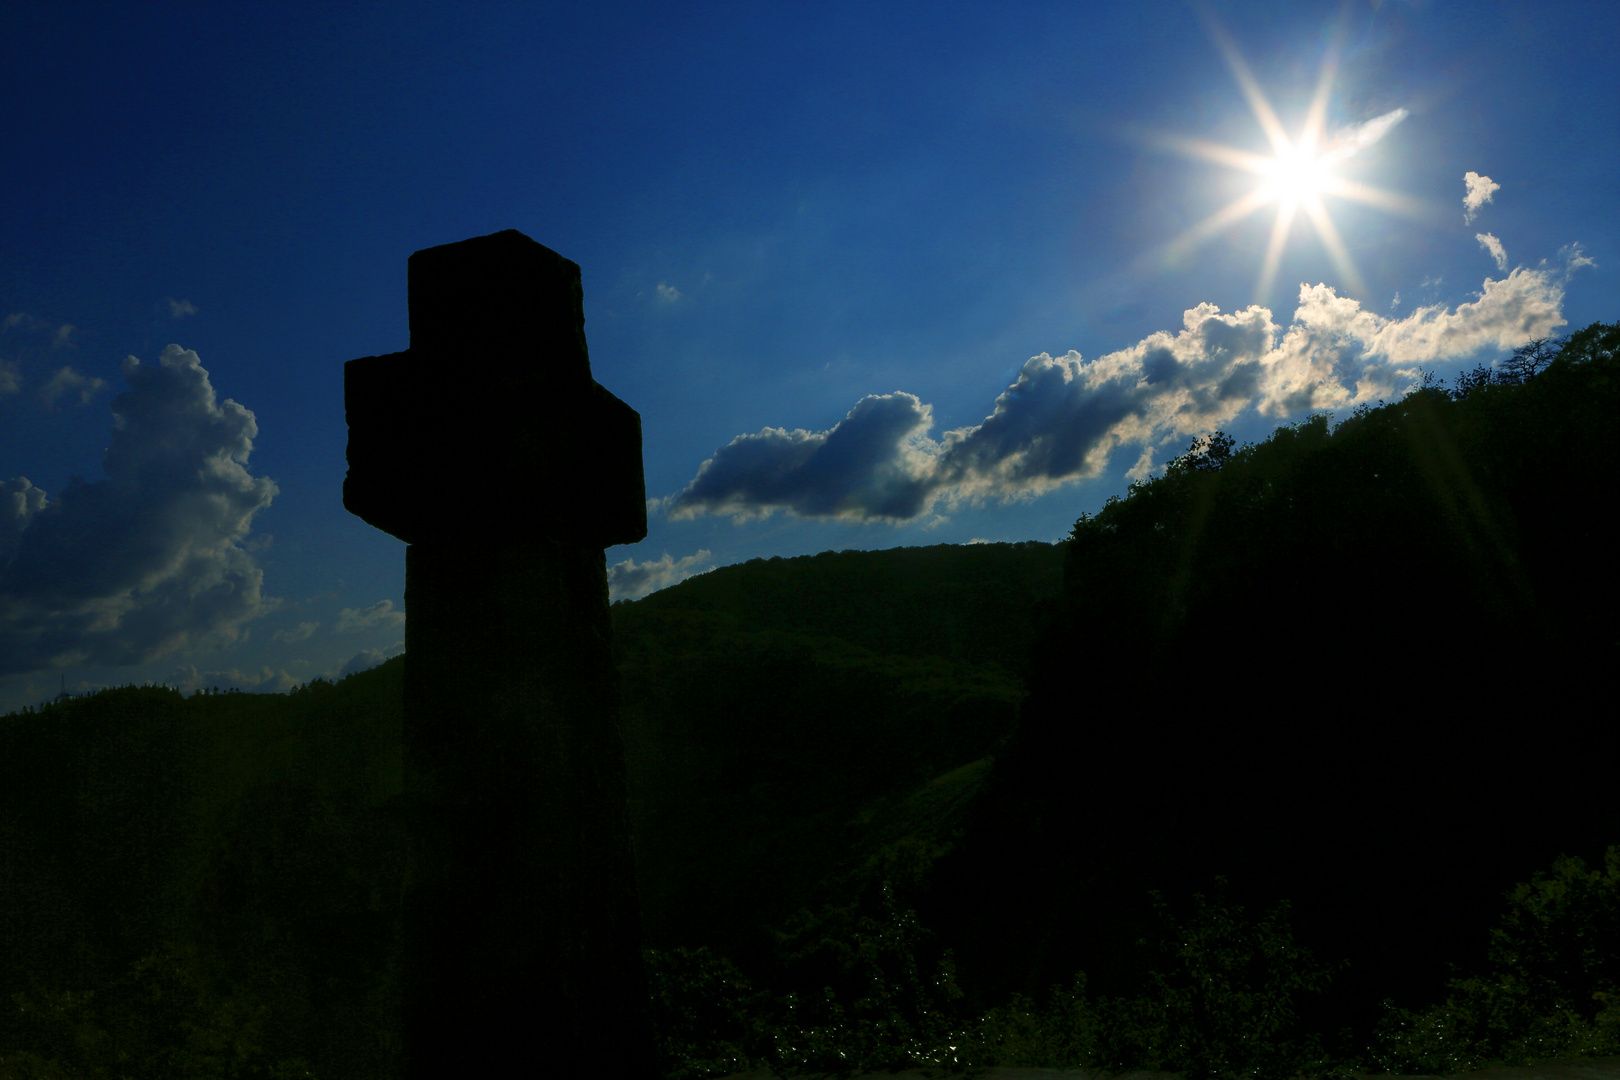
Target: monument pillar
[[490, 450]]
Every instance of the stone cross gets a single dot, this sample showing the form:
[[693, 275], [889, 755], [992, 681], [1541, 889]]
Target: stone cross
[[488, 448]]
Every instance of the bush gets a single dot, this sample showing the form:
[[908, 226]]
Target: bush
[[710, 1019], [1220, 1003], [879, 1005], [1065, 1033], [1220, 1000], [1552, 988], [158, 1022]]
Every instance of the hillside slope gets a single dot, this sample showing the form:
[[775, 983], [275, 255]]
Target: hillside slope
[[1368, 668], [782, 716]]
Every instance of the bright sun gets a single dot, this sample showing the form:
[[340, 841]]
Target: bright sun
[[1297, 174]]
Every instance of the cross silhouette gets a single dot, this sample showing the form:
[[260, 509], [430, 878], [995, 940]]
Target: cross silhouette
[[488, 448]]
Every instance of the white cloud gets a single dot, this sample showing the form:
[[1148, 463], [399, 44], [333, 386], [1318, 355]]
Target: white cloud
[[1063, 417], [66, 381], [148, 561], [1144, 465], [668, 293], [1349, 141], [1573, 259], [1480, 188], [630, 580], [179, 309], [1494, 246], [381, 613], [10, 377]]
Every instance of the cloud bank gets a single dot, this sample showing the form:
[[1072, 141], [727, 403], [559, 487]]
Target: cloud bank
[[1064, 417], [1480, 189], [150, 560]]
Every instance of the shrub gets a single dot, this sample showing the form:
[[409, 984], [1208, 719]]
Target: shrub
[[1552, 988], [1220, 1003], [710, 1019], [889, 1009], [1064, 1033], [1220, 999], [158, 1021]]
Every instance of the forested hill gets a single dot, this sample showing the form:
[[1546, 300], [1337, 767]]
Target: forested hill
[[784, 718], [1366, 666], [969, 602]]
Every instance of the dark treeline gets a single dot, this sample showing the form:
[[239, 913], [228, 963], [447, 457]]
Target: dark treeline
[[769, 704], [1362, 668], [241, 856], [1366, 667], [203, 886]]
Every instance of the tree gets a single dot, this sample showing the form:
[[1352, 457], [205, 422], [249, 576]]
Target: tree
[[1530, 358], [1208, 453]]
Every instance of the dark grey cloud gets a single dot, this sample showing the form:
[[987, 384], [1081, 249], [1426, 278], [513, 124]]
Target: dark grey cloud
[[871, 464], [149, 560], [1063, 417]]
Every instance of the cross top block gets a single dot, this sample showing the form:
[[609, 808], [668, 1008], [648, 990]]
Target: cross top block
[[490, 422]]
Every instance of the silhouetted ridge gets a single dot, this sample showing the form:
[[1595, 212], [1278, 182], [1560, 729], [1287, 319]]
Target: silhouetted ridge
[[781, 713], [964, 601], [1354, 665]]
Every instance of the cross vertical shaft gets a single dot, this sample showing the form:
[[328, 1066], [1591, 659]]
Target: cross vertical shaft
[[491, 451]]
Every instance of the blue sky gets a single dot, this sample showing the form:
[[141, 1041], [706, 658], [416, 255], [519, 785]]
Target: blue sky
[[873, 274]]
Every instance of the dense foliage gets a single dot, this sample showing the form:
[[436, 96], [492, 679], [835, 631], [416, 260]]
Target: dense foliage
[[781, 714], [250, 847], [1335, 679], [1351, 665]]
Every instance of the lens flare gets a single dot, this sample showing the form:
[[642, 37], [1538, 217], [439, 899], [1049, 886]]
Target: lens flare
[[1295, 176]]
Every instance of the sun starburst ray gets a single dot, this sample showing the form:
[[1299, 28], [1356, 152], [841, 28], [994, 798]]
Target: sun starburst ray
[[1316, 118], [1221, 155], [1279, 234], [1220, 219], [1335, 246], [1371, 196], [1251, 89], [1299, 172]]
